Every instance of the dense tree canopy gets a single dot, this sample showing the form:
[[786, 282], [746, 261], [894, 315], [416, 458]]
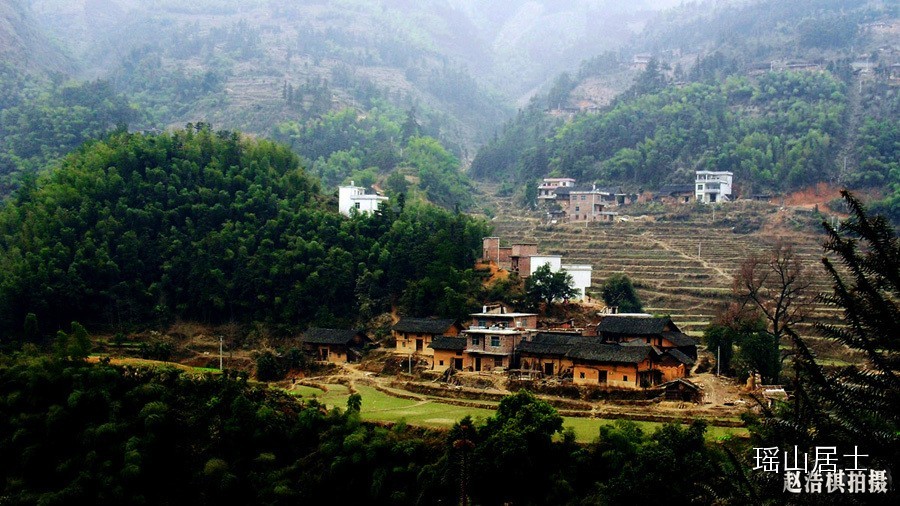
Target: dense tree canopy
[[776, 131], [211, 226], [42, 120]]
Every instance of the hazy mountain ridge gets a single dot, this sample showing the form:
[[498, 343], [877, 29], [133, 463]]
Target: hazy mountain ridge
[[24, 45], [487, 53]]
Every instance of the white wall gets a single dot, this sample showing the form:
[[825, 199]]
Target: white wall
[[555, 262], [350, 196], [345, 197], [581, 277]]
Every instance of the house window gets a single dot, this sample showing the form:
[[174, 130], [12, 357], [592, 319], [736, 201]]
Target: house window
[[482, 323], [498, 361], [577, 208], [476, 340], [699, 186], [624, 378], [442, 362], [356, 205], [583, 197], [495, 340], [581, 375]]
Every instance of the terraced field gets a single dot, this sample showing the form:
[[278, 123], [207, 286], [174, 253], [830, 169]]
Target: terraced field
[[683, 264]]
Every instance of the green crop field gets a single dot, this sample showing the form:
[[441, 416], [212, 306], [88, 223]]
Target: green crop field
[[380, 407]]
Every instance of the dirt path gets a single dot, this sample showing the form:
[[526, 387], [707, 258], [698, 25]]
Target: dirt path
[[668, 247]]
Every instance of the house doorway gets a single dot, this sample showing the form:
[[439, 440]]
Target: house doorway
[[419, 345], [601, 377], [458, 364], [548, 369], [477, 363]]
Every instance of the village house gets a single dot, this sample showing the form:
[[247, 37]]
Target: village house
[[364, 200], [338, 346], [655, 331], [676, 194], [713, 186], [520, 258], [587, 360], [548, 353], [493, 336], [523, 259], [414, 335], [492, 347], [549, 186], [588, 204], [499, 316], [448, 353], [581, 274], [613, 365], [640, 61]]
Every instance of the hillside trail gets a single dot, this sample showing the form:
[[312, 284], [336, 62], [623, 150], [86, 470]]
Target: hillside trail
[[706, 264], [845, 161]]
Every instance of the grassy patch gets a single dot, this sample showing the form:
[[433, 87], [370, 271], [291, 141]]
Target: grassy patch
[[587, 429]]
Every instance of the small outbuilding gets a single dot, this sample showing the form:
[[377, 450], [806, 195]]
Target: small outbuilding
[[335, 345]]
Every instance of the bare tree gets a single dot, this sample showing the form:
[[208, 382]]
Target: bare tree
[[774, 284]]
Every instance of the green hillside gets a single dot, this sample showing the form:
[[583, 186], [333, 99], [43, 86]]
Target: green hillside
[[215, 227], [784, 94]]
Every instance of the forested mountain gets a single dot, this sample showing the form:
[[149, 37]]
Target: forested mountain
[[785, 94], [244, 64], [214, 227], [24, 46]]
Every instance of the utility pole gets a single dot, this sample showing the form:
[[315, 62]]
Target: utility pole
[[698, 250], [221, 339], [410, 364], [719, 360]]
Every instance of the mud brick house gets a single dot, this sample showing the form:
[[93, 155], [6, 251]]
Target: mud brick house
[[414, 335], [335, 345], [613, 365], [548, 352], [448, 353], [676, 194], [588, 360], [492, 348], [520, 257], [656, 331]]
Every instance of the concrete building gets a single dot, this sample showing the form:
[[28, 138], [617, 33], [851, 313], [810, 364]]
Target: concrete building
[[549, 186], [713, 186], [581, 278], [589, 204], [538, 261], [359, 198], [581, 274]]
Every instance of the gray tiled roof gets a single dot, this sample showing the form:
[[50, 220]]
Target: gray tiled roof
[[680, 339], [681, 357], [554, 343], [329, 336], [448, 343], [610, 353], [423, 325], [633, 325], [671, 189]]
